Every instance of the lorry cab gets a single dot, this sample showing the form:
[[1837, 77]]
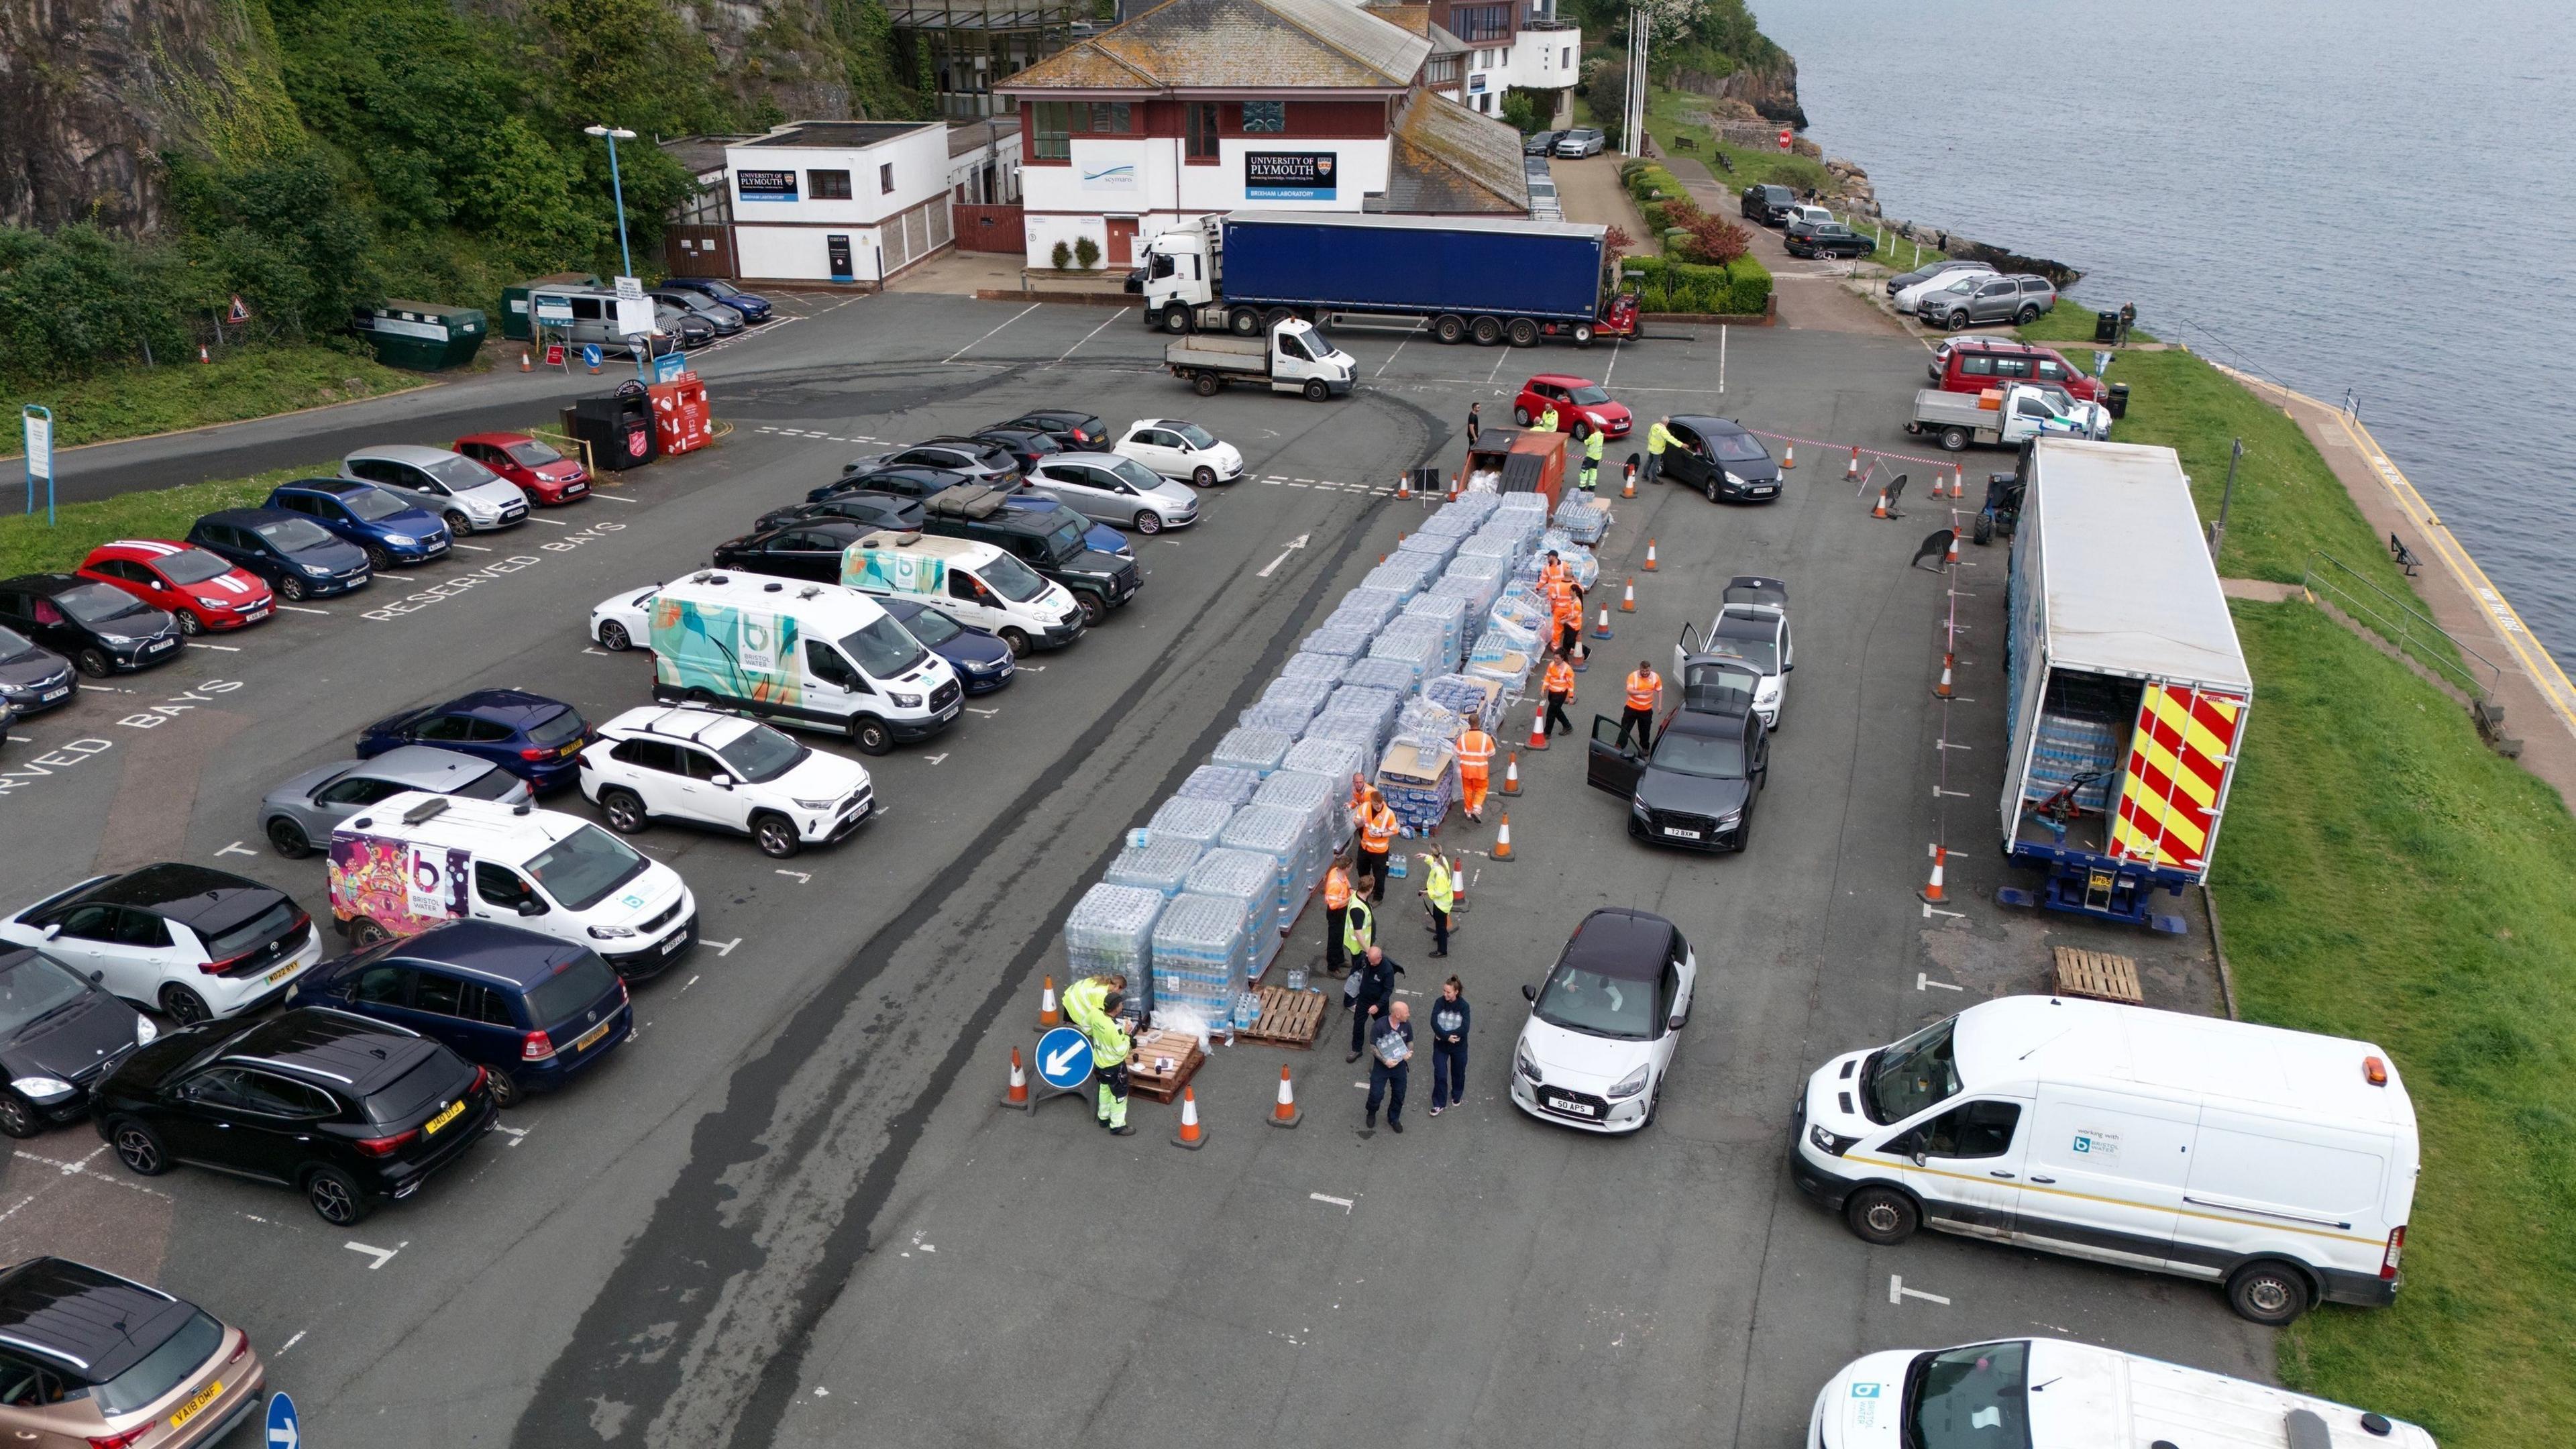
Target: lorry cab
[[818, 655], [976, 584]]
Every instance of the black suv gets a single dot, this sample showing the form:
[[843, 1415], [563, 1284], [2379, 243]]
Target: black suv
[[1697, 786], [1050, 542], [103, 629], [59, 1034], [350, 1112], [808, 548], [903, 480], [1764, 203], [1826, 239], [1077, 431], [874, 510]]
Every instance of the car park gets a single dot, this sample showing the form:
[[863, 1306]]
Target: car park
[[532, 466], [726, 320], [32, 677], [464, 494], [303, 810], [870, 510], [299, 558], [1826, 239], [980, 462], [388, 527], [1076, 430], [60, 1032], [973, 583], [1768, 204], [533, 737], [1582, 406], [620, 620], [350, 1112], [1908, 299], [1053, 542], [808, 549], [715, 641], [1605, 1023], [94, 1359], [983, 662], [1696, 783], [1117, 491], [1541, 143], [1984, 300], [1178, 448], [1721, 459], [754, 308], [1930, 270], [103, 630], [186, 940], [1751, 629], [724, 772], [205, 592], [531, 1011], [1974, 364]]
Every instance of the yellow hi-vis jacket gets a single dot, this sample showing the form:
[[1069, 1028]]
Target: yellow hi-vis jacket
[[1438, 886], [1658, 438], [1357, 926], [1085, 1003]]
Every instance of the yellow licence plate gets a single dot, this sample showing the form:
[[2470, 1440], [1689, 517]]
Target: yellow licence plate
[[281, 973], [569, 750], [582, 1042], [213, 1390], [454, 1110]]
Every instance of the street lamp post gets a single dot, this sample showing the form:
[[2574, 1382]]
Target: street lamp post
[[616, 187]]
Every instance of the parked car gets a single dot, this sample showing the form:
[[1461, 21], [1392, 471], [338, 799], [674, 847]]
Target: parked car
[[1987, 299], [871, 510], [1582, 406], [191, 942], [1696, 782], [901, 480], [463, 493], [1579, 142], [1077, 430], [1768, 204], [988, 463], [1974, 364], [1541, 143], [754, 308], [533, 737], [1025, 445], [982, 661], [350, 1112], [1116, 490], [32, 677], [388, 527], [1826, 239], [621, 619], [1929, 270], [1721, 459], [1804, 213], [531, 1011], [726, 320], [809, 548], [205, 592], [688, 328], [99, 1360], [299, 558], [534, 467], [60, 1032], [1604, 1024], [1909, 298], [103, 630], [724, 772], [1178, 448], [300, 812]]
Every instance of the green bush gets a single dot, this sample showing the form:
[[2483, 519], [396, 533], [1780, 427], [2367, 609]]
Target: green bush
[[1740, 288], [1086, 253], [1062, 256]]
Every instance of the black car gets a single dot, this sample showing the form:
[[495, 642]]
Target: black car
[[1697, 787], [874, 510], [903, 480], [809, 548], [32, 677], [988, 463], [1718, 457], [1051, 542], [1541, 143], [1826, 239], [1077, 431], [1027, 445], [59, 1034], [300, 558], [103, 629], [1929, 270], [1766, 203], [350, 1112]]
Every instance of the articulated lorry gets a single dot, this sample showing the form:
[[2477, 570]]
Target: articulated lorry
[[1491, 279], [2127, 689]]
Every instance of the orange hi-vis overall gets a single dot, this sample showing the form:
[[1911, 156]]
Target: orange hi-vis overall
[[1475, 768]]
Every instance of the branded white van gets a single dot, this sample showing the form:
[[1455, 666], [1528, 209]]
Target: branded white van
[[819, 655], [415, 860], [977, 584], [2277, 1163]]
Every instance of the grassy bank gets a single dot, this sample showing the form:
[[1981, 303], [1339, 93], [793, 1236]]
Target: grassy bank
[[242, 383], [27, 545]]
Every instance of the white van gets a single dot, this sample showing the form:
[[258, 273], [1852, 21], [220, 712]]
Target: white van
[[812, 654], [2277, 1163], [415, 860], [977, 584], [2047, 1393]]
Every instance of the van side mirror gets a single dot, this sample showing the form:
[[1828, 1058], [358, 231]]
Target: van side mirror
[[1529, 994], [531, 906], [52, 930]]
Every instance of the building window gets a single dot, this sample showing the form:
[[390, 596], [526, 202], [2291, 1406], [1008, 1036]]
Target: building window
[[1568, 61], [828, 185], [1481, 22], [1049, 125], [1111, 117], [1441, 73], [1202, 129], [885, 179], [1265, 117]]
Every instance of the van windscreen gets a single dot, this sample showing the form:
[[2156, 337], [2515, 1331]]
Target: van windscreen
[[1901, 1080], [884, 650]]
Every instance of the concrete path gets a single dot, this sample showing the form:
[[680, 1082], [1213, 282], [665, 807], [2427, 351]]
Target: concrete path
[[1812, 295], [1589, 191]]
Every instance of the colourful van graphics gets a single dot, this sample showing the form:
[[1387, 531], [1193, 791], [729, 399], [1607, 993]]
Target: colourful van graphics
[[739, 654], [404, 888], [892, 570]]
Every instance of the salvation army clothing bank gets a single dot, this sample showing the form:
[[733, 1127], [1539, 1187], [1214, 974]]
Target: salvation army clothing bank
[[847, 202]]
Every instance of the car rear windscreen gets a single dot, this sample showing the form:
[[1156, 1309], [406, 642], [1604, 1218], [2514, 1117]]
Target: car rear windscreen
[[492, 784], [253, 933], [440, 1075], [163, 1369], [557, 729], [581, 983]]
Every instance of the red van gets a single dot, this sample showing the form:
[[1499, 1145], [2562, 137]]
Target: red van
[[1973, 364]]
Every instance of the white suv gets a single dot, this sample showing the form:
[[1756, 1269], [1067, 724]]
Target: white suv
[[720, 770], [186, 940]]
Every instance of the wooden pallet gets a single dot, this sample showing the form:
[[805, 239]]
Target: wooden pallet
[[1288, 1018], [2097, 974], [1178, 1047]]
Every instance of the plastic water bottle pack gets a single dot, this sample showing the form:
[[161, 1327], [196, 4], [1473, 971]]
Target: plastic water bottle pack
[[1315, 799], [1439, 546], [1200, 821], [1377, 673], [1197, 948], [1336, 760], [1419, 644], [1158, 865], [1228, 784], [1474, 507], [1250, 878], [1342, 641], [1111, 929], [1366, 608], [1473, 699], [1302, 699], [1279, 834], [1447, 610], [1324, 668], [1257, 750], [1451, 520], [1423, 722]]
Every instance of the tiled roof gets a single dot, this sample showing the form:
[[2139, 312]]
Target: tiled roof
[[1445, 158], [1223, 44]]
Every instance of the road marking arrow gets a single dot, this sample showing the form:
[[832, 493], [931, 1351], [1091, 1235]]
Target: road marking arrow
[[381, 1255], [935, 759], [1294, 544], [1056, 1065], [802, 877], [236, 848]]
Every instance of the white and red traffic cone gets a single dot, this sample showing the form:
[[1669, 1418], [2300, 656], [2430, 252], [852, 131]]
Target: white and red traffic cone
[[1286, 1114], [1048, 1015], [1191, 1135], [1940, 857], [1538, 727], [1018, 1094]]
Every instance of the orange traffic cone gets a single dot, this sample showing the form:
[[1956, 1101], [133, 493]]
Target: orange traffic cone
[[1512, 773], [1629, 488], [1881, 510], [1286, 1114], [1047, 1014], [1538, 727], [1018, 1095], [1602, 629], [1628, 601], [1940, 857], [1942, 690], [1191, 1135], [203, 355], [1937, 488], [1851, 474], [1582, 654], [1650, 555], [524, 364], [1954, 548], [1789, 456], [1403, 489], [1503, 839]]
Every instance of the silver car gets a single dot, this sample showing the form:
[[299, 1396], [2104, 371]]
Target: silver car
[[2019, 298], [1116, 490], [1581, 141], [301, 813], [447, 485]]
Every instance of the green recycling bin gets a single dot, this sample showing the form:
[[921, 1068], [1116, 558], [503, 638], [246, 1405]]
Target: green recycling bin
[[420, 336]]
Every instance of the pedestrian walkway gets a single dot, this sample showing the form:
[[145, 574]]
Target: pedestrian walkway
[[1589, 191], [1812, 294]]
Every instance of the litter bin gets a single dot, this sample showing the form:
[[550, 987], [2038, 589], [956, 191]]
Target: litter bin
[[618, 427], [679, 414], [2117, 400], [2106, 328], [421, 336]]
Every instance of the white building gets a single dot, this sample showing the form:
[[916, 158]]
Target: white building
[[849, 202]]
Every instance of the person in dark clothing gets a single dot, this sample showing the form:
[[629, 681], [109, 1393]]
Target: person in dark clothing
[[1375, 972], [1387, 1082], [1449, 1017], [1475, 422]]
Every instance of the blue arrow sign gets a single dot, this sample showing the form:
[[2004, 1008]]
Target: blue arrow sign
[[1064, 1058], [283, 1432], [590, 356]]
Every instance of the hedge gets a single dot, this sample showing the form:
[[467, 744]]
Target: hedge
[[1742, 288]]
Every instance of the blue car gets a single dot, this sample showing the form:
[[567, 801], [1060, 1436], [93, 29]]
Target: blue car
[[540, 740], [1099, 537], [983, 662], [388, 527], [299, 558], [755, 309], [532, 1011]]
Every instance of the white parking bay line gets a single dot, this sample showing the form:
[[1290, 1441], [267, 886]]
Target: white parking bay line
[[474, 548], [1014, 317], [226, 648], [381, 1255], [1086, 337], [1924, 982], [550, 522], [611, 498], [300, 609], [1340, 1202], [1897, 1292]]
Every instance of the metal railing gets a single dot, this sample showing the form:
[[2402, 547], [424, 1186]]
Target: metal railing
[[2402, 624]]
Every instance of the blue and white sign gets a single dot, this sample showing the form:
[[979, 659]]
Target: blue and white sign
[[765, 185], [1110, 176], [590, 356], [1064, 1058], [1290, 176], [283, 1431], [669, 367]]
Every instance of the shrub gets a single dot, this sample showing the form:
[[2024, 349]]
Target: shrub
[[1062, 256], [1670, 285], [1086, 253], [1617, 243], [1717, 241]]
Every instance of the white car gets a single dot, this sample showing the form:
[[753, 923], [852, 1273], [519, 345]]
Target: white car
[[1911, 299], [1789, 216], [622, 621], [451, 486], [720, 770], [1176, 448], [1604, 1025], [1751, 629], [192, 942]]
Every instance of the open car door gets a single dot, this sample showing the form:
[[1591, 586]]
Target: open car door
[[1609, 766], [1684, 648]]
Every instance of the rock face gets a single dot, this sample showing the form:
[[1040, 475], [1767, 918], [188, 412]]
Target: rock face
[[1770, 92]]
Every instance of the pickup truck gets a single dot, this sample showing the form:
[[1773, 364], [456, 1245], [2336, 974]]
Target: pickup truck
[[2001, 417], [1291, 357]]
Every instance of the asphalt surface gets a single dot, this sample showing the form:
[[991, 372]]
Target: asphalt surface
[[791, 1212]]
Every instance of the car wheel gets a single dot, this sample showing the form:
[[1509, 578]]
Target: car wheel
[[871, 735], [1207, 384], [1018, 641], [1148, 521], [1450, 330], [506, 1091], [184, 1006], [1316, 391], [291, 589], [1654, 1105], [1244, 322], [1203, 476], [366, 931], [378, 558], [1486, 330], [1582, 430], [190, 624], [1882, 1215], [94, 663], [1521, 416], [138, 1147], [2027, 315], [1094, 608], [700, 696], [776, 836], [1954, 439], [1176, 318], [288, 839], [1582, 335], [1958, 321], [457, 523], [625, 811], [2270, 1292], [1712, 490], [1274, 317], [335, 1197], [614, 638], [18, 1116], [1523, 332]]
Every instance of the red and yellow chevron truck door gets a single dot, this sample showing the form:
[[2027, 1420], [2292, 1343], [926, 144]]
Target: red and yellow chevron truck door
[[2178, 763]]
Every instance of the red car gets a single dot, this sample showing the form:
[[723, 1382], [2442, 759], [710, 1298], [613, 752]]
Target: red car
[[1973, 364], [203, 589], [548, 476], [1581, 406]]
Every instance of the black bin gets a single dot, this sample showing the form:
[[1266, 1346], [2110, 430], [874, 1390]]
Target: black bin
[[619, 429], [2106, 328], [2117, 400]]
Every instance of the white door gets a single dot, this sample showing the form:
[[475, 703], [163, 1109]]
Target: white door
[[1973, 1155], [832, 689], [1159, 450], [498, 893], [87, 943], [652, 771], [969, 600], [2104, 1176], [702, 798]]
